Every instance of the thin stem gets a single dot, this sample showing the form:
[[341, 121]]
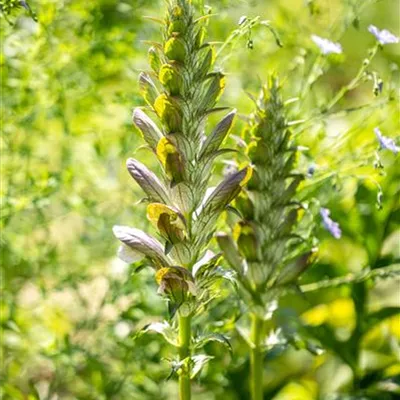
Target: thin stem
[[184, 352], [256, 358], [354, 83]]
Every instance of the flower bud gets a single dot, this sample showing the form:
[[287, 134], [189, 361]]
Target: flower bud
[[171, 79], [171, 160], [169, 113], [168, 221], [177, 284], [175, 50]]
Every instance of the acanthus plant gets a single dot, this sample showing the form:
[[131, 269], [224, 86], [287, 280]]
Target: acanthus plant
[[269, 246], [182, 90]]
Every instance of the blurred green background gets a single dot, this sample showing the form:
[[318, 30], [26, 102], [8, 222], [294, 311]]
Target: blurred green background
[[70, 310]]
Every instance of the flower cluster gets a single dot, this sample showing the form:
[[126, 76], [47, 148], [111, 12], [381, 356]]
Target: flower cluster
[[262, 243], [182, 90], [178, 208]]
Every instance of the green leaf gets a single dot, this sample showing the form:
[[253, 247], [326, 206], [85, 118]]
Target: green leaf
[[198, 362], [213, 337], [169, 333]]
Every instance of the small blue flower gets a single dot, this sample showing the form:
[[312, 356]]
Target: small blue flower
[[326, 46], [385, 142], [383, 36], [329, 224]]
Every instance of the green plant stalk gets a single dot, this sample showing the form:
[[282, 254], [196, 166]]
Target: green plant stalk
[[256, 357], [354, 83], [184, 353]]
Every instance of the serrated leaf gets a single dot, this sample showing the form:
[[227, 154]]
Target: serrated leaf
[[198, 362], [165, 329], [213, 337], [148, 181]]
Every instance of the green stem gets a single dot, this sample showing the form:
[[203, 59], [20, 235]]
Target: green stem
[[184, 352], [256, 358], [354, 83]]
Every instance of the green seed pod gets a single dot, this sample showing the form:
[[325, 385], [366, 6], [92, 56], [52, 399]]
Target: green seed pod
[[175, 50], [171, 79], [168, 112]]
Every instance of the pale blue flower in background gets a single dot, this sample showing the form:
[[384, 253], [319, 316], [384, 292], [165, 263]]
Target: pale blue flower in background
[[386, 142], [326, 46], [383, 36], [330, 225]]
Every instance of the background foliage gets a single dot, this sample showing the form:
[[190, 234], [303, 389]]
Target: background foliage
[[71, 311]]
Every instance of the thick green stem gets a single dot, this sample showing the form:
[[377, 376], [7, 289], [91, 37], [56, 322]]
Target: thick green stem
[[256, 358], [184, 352]]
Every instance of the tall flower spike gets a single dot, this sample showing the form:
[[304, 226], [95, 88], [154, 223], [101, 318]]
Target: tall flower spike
[[264, 249], [185, 94]]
